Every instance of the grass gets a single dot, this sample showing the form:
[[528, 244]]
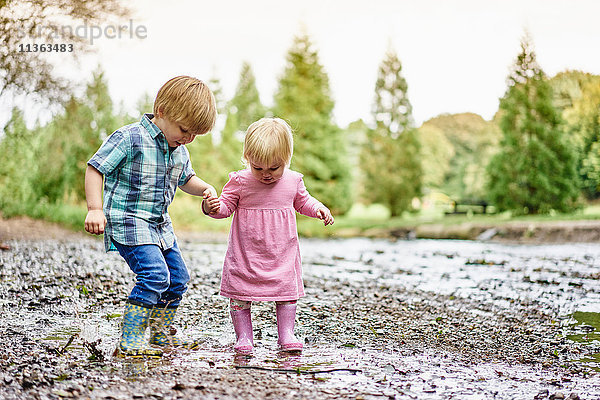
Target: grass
[[187, 215]]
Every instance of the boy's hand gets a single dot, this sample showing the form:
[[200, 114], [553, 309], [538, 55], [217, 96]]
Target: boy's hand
[[210, 192], [211, 204], [325, 215], [95, 222]]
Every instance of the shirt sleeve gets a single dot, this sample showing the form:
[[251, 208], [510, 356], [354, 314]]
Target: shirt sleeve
[[188, 171], [230, 197], [304, 203], [111, 154]]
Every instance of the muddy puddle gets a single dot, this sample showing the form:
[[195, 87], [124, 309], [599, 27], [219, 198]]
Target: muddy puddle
[[424, 319]]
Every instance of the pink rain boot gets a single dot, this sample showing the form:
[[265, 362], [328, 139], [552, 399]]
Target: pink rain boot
[[286, 315], [242, 324]]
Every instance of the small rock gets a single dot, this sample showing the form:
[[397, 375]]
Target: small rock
[[557, 396], [573, 396], [542, 394]]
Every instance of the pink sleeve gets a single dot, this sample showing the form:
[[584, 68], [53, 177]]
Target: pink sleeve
[[229, 197], [304, 203]]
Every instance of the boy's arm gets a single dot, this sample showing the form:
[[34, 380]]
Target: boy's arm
[[197, 187], [95, 221]]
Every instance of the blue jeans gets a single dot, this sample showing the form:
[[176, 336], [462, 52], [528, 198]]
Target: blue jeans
[[161, 276]]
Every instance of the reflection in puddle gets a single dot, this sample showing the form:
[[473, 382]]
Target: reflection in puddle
[[587, 331]]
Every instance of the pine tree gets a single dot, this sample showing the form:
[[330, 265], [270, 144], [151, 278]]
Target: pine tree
[[535, 168], [242, 110], [390, 157], [304, 99], [18, 164]]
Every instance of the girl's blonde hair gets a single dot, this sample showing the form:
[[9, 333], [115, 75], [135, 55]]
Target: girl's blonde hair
[[268, 141]]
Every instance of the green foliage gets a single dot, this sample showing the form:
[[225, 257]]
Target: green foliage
[[304, 99], [535, 170], [242, 110], [436, 153], [17, 166], [458, 147], [45, 166], [579, 96], [390, 158]]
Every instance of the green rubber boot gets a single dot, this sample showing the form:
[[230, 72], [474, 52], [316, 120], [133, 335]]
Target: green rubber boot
[[162, 333], [133, 341]]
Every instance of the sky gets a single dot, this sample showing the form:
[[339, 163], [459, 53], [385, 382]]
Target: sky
[[455, 55]]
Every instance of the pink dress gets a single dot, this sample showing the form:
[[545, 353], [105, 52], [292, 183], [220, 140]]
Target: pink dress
[[262, 262]]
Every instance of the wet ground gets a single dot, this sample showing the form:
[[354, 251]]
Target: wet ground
[[421, 319]]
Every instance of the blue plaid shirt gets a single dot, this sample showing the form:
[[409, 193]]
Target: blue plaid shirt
[[141, 175]]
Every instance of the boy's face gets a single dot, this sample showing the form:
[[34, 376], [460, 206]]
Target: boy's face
[[267, 174], [175, 133]]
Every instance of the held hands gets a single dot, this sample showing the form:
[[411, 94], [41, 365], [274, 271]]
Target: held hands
[[95, 221], [325, 215], [210, 204]]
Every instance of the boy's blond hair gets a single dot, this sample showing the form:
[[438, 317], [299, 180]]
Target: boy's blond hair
[[268, 141], [189, 102]]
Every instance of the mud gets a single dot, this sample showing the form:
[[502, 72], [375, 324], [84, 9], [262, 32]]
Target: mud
[[419, 319]]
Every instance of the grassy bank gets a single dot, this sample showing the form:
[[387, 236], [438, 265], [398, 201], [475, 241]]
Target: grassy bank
[[187, 216]]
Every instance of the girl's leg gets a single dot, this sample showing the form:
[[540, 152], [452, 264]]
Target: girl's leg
[[286, 316], [242, 324]]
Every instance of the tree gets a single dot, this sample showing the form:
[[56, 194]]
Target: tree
[[304, 99], [242, 110], [74, 136], [18, 164], [390, 158], [577, 95], [461, 155], [48, 22], [535, 168]]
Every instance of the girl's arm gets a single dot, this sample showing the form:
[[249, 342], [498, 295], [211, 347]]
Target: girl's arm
[[228, 202], [307, 205]]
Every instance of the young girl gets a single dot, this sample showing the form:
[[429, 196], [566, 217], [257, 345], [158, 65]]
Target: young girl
[[263, 257]]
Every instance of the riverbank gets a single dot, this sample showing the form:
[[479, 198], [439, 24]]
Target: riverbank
[[528, 232], [381, 319]]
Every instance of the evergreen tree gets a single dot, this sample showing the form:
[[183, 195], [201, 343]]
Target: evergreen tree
[[535, 169], [18, 164], [205, 151], [304, 99], [242, 110], [390, 157], [74, 136]]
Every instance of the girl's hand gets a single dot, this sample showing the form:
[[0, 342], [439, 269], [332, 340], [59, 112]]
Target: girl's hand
[[325, 215], [95, 222]]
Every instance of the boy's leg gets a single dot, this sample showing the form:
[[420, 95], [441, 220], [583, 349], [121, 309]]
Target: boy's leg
[[242, 324], [178, 278], [164, 312], [286, 316], [152, 277]]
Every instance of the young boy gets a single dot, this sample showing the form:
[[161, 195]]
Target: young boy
[[142, 165]]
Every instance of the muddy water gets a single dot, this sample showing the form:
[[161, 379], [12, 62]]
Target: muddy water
[[420, 319]]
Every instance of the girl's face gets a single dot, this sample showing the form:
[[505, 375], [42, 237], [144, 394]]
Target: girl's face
[[267, 174]]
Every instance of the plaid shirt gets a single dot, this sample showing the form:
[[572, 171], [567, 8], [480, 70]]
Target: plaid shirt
[[141, 175]]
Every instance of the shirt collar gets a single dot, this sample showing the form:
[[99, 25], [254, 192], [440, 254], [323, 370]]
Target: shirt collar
[[152, 129]]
